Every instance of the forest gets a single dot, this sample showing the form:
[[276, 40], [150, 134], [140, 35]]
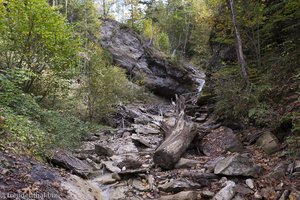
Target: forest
[[150, 99]]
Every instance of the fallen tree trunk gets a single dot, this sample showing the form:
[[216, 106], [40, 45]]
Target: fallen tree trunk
[[177, 138]]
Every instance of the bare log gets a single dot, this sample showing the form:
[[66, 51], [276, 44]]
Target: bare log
[[177, 138]]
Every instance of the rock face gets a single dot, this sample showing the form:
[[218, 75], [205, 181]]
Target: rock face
[[237, 165], [160, 75]]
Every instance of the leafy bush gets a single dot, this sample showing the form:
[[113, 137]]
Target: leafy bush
[[31, 129]]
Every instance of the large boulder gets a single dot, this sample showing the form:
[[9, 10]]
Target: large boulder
[[268, 142], [159, 73], [237, 165], [219, 141]]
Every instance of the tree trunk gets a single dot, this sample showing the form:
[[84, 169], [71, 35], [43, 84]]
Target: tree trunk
[[239, 45], [177, 138]]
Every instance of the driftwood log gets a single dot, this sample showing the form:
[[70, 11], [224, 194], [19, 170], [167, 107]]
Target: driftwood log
[[177, 138]]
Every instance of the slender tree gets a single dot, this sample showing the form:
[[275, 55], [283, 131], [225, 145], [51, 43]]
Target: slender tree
[[239, 44]]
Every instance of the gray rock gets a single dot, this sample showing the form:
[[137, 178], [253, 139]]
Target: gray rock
[[160, 75], [241, 189], [268, 142], [109, 165], [226, 193], [130, 163], [186, 163], [207, 194], [67, 161], [184, 195], [210, 165], [103, 150], [139, 185], [178, 185], [145, 129], [140, 141], [219, 141], [250, 183], [279, 170], [237, 165]]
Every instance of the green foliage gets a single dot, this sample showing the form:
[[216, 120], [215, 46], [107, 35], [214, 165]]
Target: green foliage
[[163, 42], [32, 129]]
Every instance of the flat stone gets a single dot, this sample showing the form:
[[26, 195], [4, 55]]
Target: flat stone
[[207, 194], [178, 185], [134, 171], [237, 165], [184, 195], [103, 150], [226, 193], [109, 165], [140, 141], [186, 163], [210, 165], [145, 129], [67, 161], [241, 189], [268, 142]]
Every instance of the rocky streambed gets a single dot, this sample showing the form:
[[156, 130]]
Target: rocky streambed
[[225, 164]]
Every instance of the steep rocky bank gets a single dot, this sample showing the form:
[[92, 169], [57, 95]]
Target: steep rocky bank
[[147, 65]]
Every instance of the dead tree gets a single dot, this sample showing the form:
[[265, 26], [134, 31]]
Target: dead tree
[[177, 138]]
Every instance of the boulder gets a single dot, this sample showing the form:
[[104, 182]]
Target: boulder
[[103, 150], [226, 193], [237, 165], [268, 142], [178, 185], [158, 73], [67, 161], [219, 141]]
